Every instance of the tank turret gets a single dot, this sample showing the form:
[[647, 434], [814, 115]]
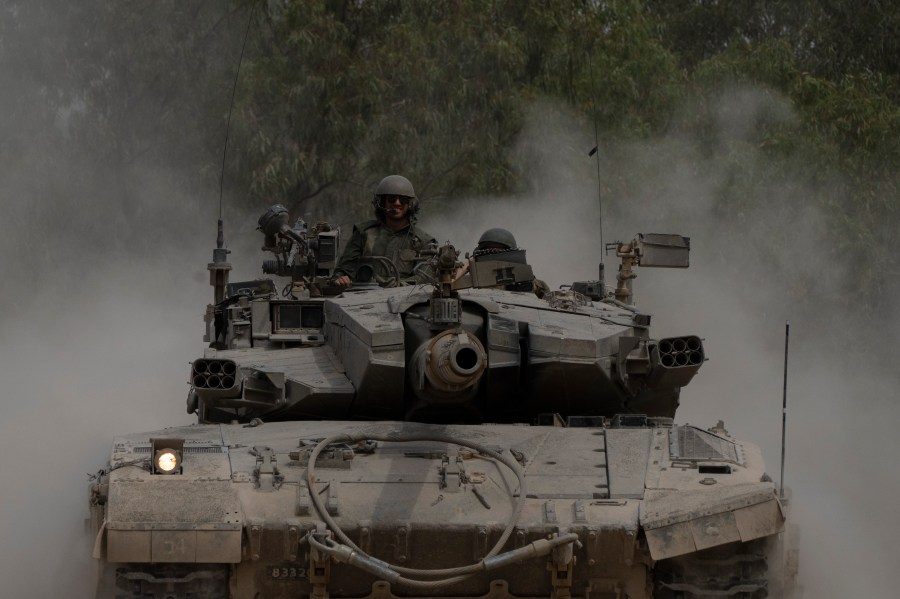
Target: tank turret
[[441, 353]]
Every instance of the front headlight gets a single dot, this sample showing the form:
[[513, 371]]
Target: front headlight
[[167, 461], [167, 454]]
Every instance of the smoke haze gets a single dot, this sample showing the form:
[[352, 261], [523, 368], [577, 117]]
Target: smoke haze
[[750, 273], [97, 330]]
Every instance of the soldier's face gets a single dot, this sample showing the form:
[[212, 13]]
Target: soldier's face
[[396, 207]]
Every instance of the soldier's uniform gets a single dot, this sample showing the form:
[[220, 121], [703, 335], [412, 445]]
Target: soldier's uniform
[[373, 238]]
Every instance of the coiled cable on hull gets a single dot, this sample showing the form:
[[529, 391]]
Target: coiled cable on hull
[[353, 555]]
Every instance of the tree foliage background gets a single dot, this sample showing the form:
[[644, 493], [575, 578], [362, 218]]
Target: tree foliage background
[[333, 94]]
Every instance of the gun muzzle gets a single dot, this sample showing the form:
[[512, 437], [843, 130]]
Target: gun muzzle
[[448, 366]]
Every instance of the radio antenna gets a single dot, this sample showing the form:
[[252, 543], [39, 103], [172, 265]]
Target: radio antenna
[[596, 151], [237, 74], [787, 334], [219, 267]]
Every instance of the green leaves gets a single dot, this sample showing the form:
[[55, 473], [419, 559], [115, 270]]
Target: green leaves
[[334, 94]]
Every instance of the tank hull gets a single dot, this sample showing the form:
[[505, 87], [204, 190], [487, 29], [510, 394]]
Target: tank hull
[[235, 521]]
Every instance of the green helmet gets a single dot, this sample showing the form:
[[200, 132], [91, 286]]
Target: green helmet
[[497, 238], [395, 185]]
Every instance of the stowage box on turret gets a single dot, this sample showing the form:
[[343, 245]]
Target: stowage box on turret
[[460, 439]]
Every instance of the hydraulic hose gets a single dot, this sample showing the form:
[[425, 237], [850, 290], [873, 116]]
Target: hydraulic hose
[[388, 572], [353, 555]]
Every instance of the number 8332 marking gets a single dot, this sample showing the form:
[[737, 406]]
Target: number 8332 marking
[[287, 572]]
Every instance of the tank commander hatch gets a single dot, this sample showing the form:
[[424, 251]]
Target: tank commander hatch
[[383, 248], [497, 262]]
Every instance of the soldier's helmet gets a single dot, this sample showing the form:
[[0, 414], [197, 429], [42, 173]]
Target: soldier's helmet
[[395, 185], [495, 240]]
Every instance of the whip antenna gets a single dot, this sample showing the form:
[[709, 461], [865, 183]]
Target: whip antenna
[[230, 109], [219, 267], [787, 332], [596, 151]]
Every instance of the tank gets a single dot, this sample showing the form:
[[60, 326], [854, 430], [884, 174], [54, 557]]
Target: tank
[[464, 438]]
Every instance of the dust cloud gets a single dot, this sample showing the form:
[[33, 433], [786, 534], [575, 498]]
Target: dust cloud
[[751, 272], [91, 347], [99, 325]]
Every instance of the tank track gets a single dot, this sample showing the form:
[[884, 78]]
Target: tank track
[[133, 581], [737, 570]]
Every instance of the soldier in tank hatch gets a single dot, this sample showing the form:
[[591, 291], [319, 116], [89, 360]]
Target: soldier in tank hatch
[[502, 265], [379, 243]]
